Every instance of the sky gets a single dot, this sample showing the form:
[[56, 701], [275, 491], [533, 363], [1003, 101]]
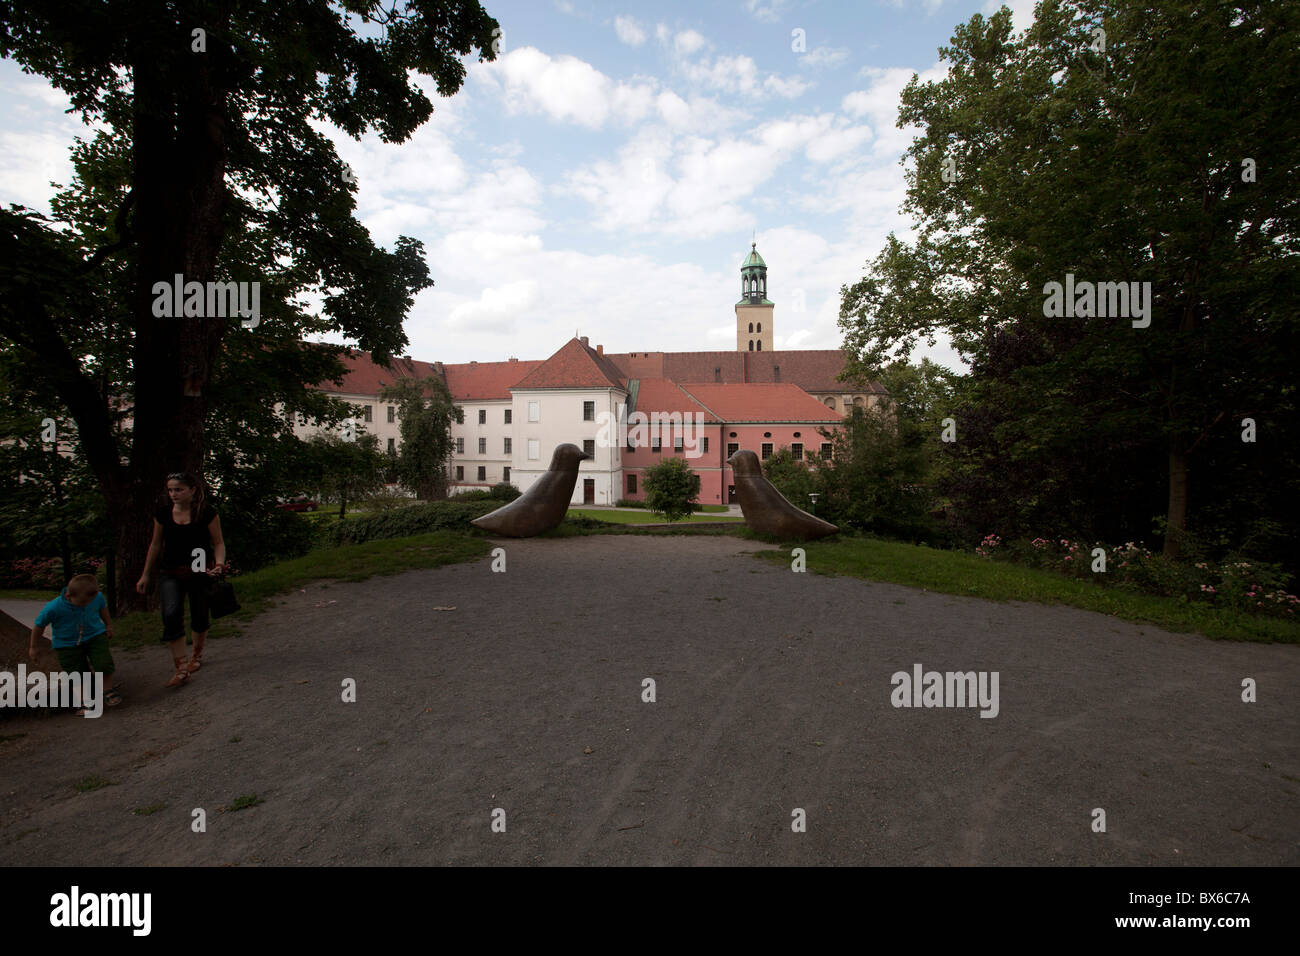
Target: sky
[[606, 175]]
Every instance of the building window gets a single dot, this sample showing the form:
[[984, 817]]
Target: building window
[[589, 446], [588, 411], [631, 484], [767, 450], [482, 473], [706, 445], [830, 402], [505, 474], [460, 445], [460, 472], [392, 446], [751, 328], [654, 444], [751, 345], [507, 447], [826, 451], [482, 416], [368, 413], [392, 413], [732, 448], [677, 445], [796, 449], [857, 402], [534, 412], [482, 446], [630, 446], [508, 411], [760, 331], [534, 449], [760, 346]]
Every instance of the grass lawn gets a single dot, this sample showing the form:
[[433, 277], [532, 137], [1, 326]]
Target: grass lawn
[[952, 572], [642, 517]]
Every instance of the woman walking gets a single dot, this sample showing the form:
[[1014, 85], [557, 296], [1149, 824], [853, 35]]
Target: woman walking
[[186, 526]]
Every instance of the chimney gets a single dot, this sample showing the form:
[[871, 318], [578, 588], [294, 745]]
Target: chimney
[[717, 373], [513, 359], [473, 363], [600, 350], [776, 373], [583, 340]]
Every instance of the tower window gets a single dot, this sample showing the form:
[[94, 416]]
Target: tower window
[[751, 345], [751, 326], [760, 345], [760, 327]]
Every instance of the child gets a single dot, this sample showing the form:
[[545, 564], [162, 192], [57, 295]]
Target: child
[[82, 627]]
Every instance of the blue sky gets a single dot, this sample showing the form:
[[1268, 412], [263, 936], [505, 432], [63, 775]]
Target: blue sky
[[606, 174]]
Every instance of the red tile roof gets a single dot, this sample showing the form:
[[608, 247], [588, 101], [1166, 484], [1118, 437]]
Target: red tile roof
[[480, 381], [663, 395], [364, 377], [811, 369], [575, 365], [764, 402]]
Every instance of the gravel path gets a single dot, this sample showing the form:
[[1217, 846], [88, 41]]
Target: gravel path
[[773, 693]]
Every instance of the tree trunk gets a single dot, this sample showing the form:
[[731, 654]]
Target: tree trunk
[[134, 513], [1176, 518], [343, 505]]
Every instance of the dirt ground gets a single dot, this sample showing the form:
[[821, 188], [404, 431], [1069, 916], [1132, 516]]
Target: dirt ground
[[773, 693]]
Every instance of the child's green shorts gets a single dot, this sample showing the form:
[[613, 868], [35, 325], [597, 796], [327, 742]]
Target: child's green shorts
[[91, 655]]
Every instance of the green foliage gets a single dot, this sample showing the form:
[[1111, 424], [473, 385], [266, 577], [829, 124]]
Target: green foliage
[[875, 480], [1117, 166], [257, 533], [342, 470], [501, 492], [794, 479], [404, 522], [426, 412], [672, 489]]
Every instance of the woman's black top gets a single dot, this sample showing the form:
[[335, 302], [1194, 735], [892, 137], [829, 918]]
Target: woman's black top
[[180, 540]]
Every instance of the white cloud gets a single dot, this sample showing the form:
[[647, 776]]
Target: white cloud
[[564, 88], [688, 41], [769, 12], [629, 31], [740, 75], [879, 104], [1022, 12], [824, 57], [497, 308]]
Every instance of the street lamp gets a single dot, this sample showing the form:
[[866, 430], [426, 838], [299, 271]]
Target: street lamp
[[813, 495]]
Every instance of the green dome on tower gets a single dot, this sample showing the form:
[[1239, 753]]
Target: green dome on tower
[[753, 279]]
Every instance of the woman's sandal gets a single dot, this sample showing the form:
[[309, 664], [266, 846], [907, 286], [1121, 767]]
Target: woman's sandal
[[196, 659], [112, 699], [182, 673]]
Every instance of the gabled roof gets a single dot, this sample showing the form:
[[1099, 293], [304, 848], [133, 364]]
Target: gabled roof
[[575, 365], [483, 381], [665, 396], [760, 403], [364, 377], [815, 370]]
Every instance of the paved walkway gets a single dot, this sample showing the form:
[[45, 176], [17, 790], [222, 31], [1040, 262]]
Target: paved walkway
[[523, 691]]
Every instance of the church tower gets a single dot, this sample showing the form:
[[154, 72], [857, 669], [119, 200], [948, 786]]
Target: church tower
[[753, 311]]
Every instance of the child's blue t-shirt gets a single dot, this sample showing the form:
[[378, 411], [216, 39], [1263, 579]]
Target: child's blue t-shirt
[[72, 625]]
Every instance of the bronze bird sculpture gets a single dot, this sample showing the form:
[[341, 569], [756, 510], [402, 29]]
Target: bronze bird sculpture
[[544, 504], [767, 510]]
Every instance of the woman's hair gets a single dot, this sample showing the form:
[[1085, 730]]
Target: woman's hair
[[196, 503]]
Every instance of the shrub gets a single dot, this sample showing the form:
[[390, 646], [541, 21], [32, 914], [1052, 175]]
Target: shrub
[[504, 491], [258, 536], [672, 489], [629, 503], [404, 522]]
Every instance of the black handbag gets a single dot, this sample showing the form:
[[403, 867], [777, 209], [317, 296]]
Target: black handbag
[[221, 598]]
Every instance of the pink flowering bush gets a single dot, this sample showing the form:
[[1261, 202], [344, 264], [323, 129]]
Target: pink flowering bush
[[1242, 585], [43, 573]]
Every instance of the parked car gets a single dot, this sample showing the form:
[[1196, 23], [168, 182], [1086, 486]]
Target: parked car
[[297, 503]]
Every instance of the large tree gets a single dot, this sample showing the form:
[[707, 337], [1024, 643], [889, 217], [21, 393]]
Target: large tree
[[212, 170], [426, 412], [1119, 142]]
